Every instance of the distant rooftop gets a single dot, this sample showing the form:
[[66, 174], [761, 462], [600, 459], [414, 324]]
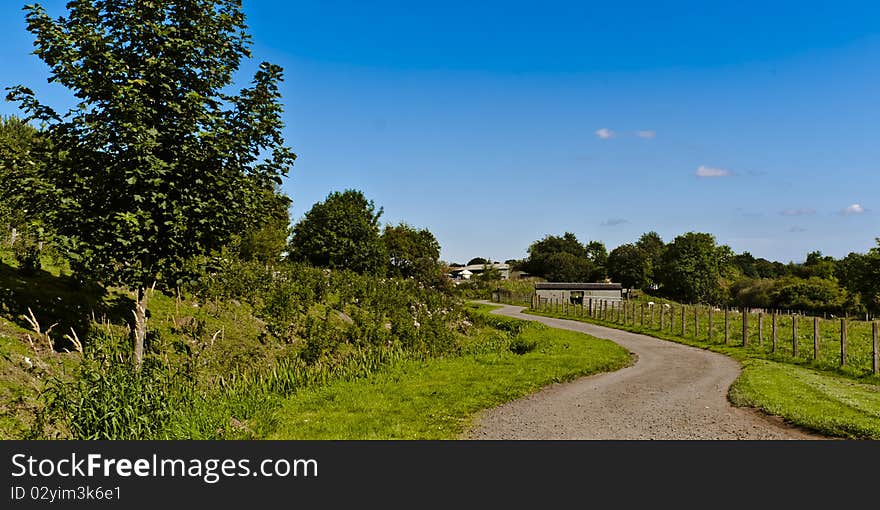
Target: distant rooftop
[[577, 286]]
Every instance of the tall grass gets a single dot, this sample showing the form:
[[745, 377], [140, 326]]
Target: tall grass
[[171, 397]]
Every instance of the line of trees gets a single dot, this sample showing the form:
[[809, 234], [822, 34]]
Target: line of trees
[[694, 268]]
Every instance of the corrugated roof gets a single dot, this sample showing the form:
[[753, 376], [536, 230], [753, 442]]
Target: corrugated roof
[[577, 286]]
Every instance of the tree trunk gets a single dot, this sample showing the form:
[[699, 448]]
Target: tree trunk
[[140, 326]]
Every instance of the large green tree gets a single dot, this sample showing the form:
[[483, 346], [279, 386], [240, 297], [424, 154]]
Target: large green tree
[[691, 268], [157, 162], [543, 254], [18, 170], [598, 256], [267, 241], [860, 274], [412, 252], [341, 232], [628, 265], [652, 247], [567, 267]]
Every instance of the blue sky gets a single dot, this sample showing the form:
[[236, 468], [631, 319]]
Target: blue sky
[[495, 124]]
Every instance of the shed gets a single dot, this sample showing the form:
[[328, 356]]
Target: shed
[[577, 293]]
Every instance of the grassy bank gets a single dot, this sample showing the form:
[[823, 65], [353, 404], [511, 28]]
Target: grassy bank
[[437, 398], [810, 393]]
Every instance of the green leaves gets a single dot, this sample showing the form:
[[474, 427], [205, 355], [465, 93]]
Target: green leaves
[[154, 165], [341, 232]]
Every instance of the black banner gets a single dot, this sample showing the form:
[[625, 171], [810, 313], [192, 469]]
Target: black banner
[[331, 474]]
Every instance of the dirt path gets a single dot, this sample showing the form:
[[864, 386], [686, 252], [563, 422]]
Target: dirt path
[[673, 391]]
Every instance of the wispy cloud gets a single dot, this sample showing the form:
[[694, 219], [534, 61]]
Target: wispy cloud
[[707, 171], [604, 133], [798, 212], [797, 229], [854, 209], [646, 134], [613, 222]]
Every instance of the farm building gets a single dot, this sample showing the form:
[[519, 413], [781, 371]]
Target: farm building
[[465, 272], [578, 293]]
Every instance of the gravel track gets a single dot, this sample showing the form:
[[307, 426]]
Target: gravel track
[[673, 391]]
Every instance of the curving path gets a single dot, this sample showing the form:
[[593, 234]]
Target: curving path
[[673, 391]]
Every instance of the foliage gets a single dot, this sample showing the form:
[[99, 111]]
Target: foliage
[[629, 266], [342, 232], [107, 398], [413, 253], [691, 268], [652, 247], [566, 267], [203, 371], [860, 274], [815, 294], [137, 173], [478, 261], [17, 173], [268, 240], [598, 255], [559, 258]]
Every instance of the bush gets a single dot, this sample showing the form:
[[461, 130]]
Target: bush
[[28, 258], [523, 346]]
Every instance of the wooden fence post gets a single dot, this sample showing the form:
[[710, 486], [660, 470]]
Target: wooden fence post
[[761, 328], [683, 320], [773, 331], [843, 341], [875, 359], [652, 314], [696, 322], [642, 310], [710, 323], [794, 335], [662, 325], [745, 313], [726, 326], [816, 337]]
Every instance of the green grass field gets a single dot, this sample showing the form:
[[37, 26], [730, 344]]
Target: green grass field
[[836, 406], [437, 399], [817, 394]]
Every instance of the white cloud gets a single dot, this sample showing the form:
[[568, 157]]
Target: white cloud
[[706, 171], [604, 133], [613, 222], [854, 209], [646, 134], [798, 212]]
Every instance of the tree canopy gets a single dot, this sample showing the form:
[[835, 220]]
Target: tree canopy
[[691, 268], [156, 163], [341, 232], [412, 253], [628, 265], [17, 172]]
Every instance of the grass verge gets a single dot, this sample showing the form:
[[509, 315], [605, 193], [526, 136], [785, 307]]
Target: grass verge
[[834, 403], [437, 398]]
